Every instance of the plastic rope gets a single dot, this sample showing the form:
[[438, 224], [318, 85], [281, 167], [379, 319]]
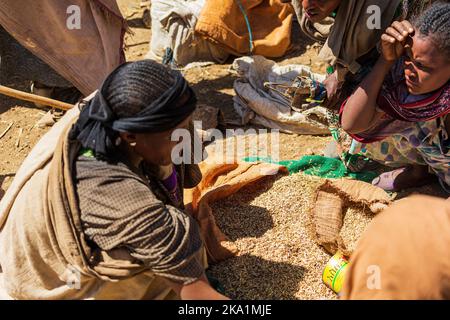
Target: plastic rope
[[241, 7]]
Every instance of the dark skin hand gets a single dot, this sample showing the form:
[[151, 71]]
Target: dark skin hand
[[331, 84], [198, 290], [316, 11]]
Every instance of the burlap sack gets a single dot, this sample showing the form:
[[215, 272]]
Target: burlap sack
[[332, 199]]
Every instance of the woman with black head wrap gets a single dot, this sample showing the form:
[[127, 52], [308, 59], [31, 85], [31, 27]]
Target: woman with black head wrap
[[128, 215]]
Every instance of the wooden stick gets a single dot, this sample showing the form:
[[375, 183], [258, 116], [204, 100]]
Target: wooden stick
[[18, 138], [35, 98], [6, 130], [136, 44]]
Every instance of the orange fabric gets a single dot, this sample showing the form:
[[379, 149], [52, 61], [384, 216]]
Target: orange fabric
[[403, 254], [223, 23], [220, 180]]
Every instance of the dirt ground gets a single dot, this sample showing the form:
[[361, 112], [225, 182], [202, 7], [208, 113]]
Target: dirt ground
[[212, 84]]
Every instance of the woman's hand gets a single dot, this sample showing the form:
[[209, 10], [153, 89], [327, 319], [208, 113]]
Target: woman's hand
[[394, 39], [331, 83], [198, 290]]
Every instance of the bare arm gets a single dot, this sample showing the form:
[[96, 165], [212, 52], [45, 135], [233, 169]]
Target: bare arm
[[360, 111]]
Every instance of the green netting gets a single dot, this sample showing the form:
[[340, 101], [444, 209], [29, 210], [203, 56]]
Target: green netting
[[319, 166]]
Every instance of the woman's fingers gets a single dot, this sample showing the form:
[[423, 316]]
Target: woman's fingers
[[408, 26], [399, 31], [396, 33], [394, 39], [400, 27], [404, 27], [387, 38]]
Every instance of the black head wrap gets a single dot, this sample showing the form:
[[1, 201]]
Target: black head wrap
[[98, 125]]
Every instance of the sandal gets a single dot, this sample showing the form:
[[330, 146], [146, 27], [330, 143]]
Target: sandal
[[386, 180], [404, 178]]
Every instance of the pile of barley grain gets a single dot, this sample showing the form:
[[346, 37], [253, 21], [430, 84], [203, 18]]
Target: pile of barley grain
[[269, 223], [356, 220]]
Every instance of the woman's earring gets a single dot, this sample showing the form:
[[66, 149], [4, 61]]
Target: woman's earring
[[133, 144], [118, 141]]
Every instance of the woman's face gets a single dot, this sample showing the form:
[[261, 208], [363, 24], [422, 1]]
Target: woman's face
[[155, 148], [426, 69], [318, 10]]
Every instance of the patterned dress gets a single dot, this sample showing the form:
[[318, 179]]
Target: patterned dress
[[423, 143]]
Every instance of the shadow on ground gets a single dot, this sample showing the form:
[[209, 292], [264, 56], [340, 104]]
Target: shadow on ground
[[253, 278]]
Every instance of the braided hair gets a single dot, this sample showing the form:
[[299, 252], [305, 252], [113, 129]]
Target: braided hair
[[133, 86], [434, 22], [138, 97]]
